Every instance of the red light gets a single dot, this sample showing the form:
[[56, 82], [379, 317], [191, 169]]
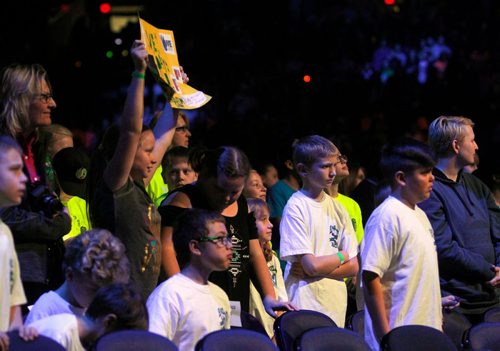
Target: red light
[[65, 8], [389, 2], [105, 7], [307, 78]]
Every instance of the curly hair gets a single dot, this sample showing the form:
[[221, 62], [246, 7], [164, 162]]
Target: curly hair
[[99, 255]]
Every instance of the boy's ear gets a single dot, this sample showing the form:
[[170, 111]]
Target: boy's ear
[[69, 274], [194, 248], [289, 164], [400, 178], [109, 320], [302, 169], [455, 145]]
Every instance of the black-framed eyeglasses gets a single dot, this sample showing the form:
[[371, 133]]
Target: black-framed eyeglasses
[[45, 97], [342, 159], [220, 241], [183, 129]]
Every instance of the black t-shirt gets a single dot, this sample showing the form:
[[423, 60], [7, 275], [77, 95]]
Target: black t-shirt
[[241, 229]]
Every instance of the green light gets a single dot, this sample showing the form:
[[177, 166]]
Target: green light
[[109, 54]]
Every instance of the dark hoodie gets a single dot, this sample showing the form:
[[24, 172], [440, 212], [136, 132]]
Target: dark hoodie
[[466, 223]]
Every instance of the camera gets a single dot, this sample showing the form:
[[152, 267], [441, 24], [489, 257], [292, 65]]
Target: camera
[[41, 199]]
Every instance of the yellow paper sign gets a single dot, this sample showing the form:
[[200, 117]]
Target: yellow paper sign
[[164, 64]]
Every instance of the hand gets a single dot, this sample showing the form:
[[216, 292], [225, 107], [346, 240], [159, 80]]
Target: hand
[[185, 78], [450, 302], [496, 280], [297, 270], [139, 56], [4, 341], [272, 306], [28, 333]]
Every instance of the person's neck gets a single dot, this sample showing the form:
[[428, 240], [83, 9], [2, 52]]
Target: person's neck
[[333, 190], [312, 193], [197, 273], [400, 195], [449, 166], [65, 292]]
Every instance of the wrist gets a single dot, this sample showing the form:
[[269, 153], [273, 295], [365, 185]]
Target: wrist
[[341, 257], [138, 74]]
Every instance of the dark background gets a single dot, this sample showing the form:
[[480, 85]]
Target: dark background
[[251, 56]]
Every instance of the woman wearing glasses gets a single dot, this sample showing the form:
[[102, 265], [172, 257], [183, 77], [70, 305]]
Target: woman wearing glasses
[[222, 176], [39, 223]]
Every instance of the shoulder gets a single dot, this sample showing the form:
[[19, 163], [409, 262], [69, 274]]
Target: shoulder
[[178, 199]]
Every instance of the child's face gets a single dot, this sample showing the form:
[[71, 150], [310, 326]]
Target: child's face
[[12, 178], [418, 185], [215, 254], [144, 160], [270, 177], [180, 173], [254, 188], [320, 174], [264, 226], [222, 191]]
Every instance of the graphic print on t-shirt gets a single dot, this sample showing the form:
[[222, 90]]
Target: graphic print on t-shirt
[[334, 236], [235, 268]]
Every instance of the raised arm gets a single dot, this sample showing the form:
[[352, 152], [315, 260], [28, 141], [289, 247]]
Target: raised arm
[[164, 130], [118, 169]]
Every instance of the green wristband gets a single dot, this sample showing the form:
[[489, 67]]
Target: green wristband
[[341, 257], [139, 75]]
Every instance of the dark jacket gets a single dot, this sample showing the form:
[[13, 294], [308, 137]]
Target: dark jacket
[[466, 223], [38, 237]]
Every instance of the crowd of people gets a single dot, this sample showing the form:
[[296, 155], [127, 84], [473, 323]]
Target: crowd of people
[[182, 240], [143, 225]]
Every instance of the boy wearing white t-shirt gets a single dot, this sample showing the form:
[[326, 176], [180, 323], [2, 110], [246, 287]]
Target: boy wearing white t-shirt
[[12, 188], [187, 306], [400, 269], [317, 236]]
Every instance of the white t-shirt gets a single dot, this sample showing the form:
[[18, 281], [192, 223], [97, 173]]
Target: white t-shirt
[[185, 311], [51, 303], [11, 287], [319, 228], [399, 247], [256, 307], [62, 328]]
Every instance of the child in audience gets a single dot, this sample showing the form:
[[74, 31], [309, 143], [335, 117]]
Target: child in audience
[[254, 188], [71, 167], [317, 236], [400, 269], [177, 171], [92, 260], [187, 306], [12, 188], [265, 231], [115, 307]]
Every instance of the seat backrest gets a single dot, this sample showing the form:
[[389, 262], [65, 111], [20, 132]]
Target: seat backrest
[[356, 322], [134, 340], [331, 338], [292, 324], [455, 325], [483, 336], [492, 315], [416, 338], [235, 339], [41, 343]]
